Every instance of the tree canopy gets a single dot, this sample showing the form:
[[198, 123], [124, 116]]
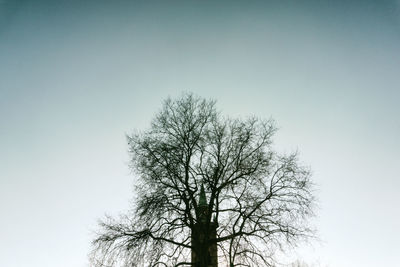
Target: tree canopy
[[257, 200]]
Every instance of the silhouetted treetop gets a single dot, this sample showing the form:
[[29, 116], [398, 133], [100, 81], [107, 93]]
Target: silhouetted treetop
[[254, 201]]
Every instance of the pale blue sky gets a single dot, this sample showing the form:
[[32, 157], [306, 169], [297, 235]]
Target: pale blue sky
[[76, 76]]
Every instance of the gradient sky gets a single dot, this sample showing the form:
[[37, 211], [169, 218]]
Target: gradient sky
[[76, 76]]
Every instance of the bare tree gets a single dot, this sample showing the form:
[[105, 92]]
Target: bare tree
[[253, 202]]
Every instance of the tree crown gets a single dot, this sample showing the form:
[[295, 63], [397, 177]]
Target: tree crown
[[261, 200]]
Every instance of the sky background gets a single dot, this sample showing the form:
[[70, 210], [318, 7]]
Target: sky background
[[76, 76]]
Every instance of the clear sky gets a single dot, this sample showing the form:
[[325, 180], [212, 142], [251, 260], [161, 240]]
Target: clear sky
[[76, 76]]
